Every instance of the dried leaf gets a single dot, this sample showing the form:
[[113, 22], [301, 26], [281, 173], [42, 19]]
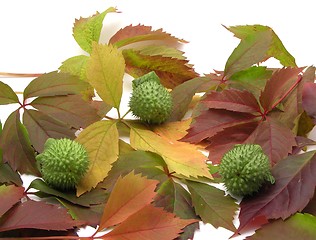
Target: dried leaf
[[106, 79], [7, 95], [101, 142], [9, 195]]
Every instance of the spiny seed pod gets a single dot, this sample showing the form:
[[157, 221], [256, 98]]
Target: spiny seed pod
[[244, 169], [63, 163], [150, 101]]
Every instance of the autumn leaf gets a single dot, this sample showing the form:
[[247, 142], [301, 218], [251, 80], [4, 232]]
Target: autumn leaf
[[299, 226], [88, 30], [10, 195], [16, 146], [149, 223], [37, 215], [106, 79], [132, 34], [173, 130], [161, 50], [101, 142], [212, 205], [129, 195], [7, 175], [181, 158], [309, 99], [76, 66], [295, 182], [54, 83], [171, 71], [7, 95], [41, 127]]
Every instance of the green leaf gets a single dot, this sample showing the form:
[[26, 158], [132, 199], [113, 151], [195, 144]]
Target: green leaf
[[299, 226], [88, 30], [171, 71], [75, 66], [162, 50], [251, 50], [16, 146], [212, 205], [8, 176], [276, 50], [7, 95], [103, 76], [41, 127], [55, 83]]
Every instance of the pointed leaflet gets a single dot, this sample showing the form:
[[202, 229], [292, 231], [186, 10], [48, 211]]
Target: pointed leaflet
[[252, 49], [7, 175], [106, 79], [9, 196], [149, 223], [212, 121], [101, 142], [173, 130], [309, 99], [70, 109], [276, 50], [132, 34], [275, 139], [41, 127], [16, 146], [88, 30], [233, 100], [162, 50], [295, 181], [279, 86], [75, 66], [299, 226], [7, 95], [37, 215], [55, 83], [129, 195], [171, 71], [212, 205], [181, 158]]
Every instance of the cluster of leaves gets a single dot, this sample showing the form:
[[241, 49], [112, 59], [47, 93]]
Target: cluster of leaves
[[157, 185]]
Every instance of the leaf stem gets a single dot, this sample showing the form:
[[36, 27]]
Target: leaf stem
[[129, 110], [6, 74]]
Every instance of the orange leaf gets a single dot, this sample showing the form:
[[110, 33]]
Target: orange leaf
[[130, 194], [149, 223]]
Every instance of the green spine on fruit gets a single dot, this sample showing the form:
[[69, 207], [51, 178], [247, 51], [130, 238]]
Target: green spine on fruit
[[63, 163], [150, 101], [244, 169]]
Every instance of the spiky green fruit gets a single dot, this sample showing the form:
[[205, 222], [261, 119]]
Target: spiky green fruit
[[150, 101], [244, 169], [63, 163]]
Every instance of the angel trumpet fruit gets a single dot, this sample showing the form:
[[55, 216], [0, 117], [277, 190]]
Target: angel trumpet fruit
[[63, 163], [244, 169], [150, 101]]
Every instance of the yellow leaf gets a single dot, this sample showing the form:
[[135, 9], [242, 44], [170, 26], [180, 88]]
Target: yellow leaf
[[105, 71], [173, 130], [181, 157], [101, 139]]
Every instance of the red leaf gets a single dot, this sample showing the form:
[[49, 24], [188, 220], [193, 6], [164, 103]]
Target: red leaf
[[131, 34], [213, 121], [309, 99], [38, 215], [9, 195], [149, 223], [16, 146], [295, 181], [220, 143], [41, 127], [279, 86], [233, 100]]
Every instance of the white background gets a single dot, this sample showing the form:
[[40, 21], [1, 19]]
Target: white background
[[36, 36]]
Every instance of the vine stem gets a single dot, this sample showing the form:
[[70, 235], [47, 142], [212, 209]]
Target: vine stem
[[129, 110], [7, 74]]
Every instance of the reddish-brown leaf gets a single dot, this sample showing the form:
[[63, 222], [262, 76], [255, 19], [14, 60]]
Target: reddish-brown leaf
[[171, 71], [7, 95], [16, 146], [213, 121], [233, 100], [295, 181], [41, 127], [275, 139], [130, 194], [149, 223], [9, 196], [226, 139], [279, 86], [132, 34], [309, 99], [38, 215]]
